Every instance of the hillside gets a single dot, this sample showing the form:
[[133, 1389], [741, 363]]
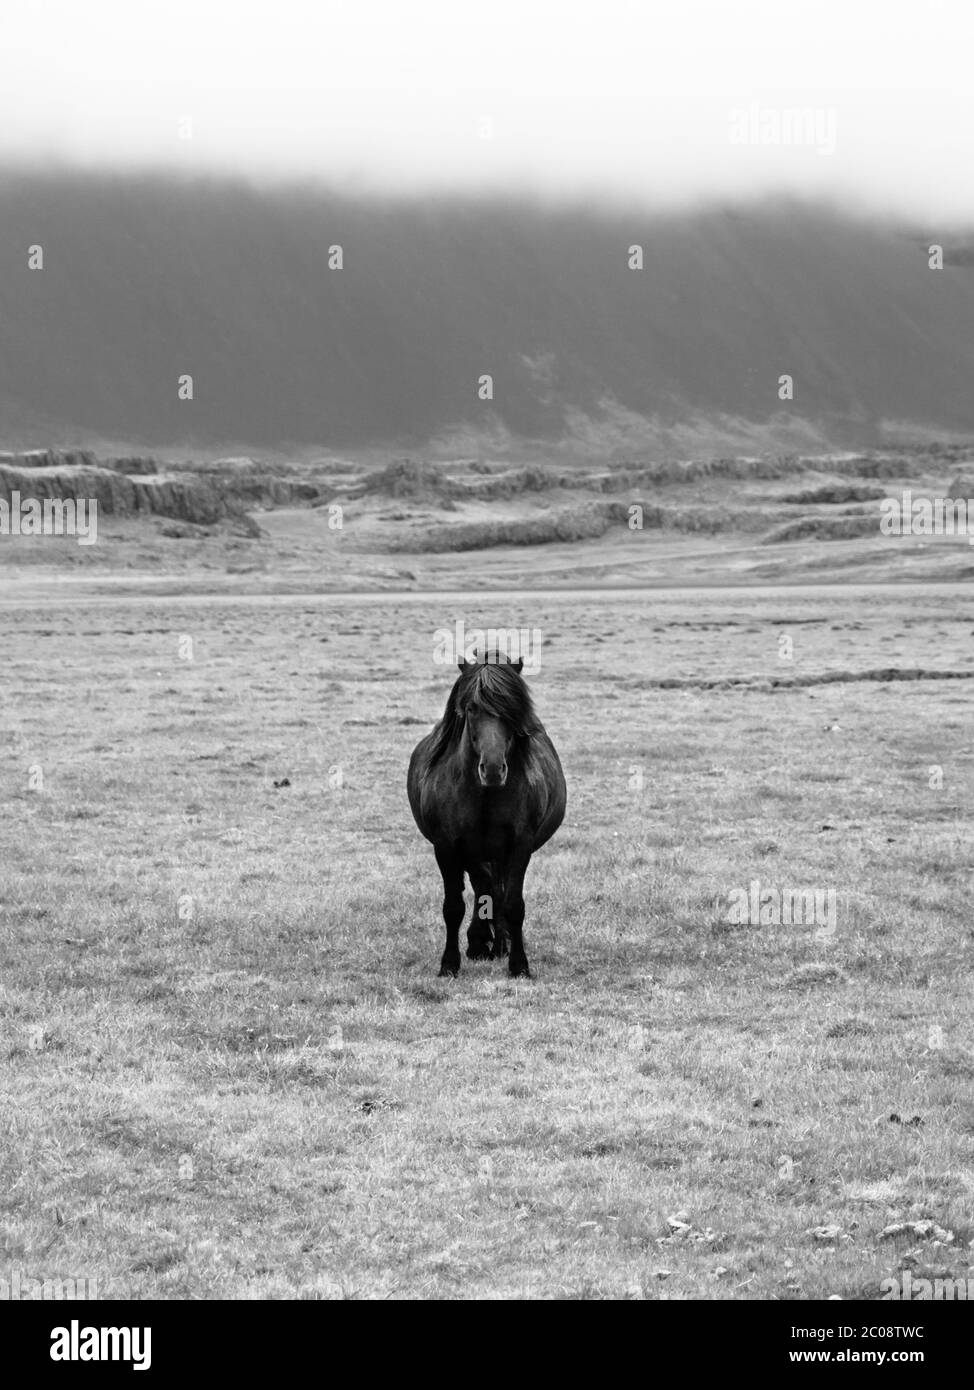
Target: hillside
[[178, 525], [145, 279]]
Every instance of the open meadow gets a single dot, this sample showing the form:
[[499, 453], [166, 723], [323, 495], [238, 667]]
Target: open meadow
[[228, 1067]]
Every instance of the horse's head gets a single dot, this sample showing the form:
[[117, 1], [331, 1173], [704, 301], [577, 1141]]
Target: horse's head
[[493, 704]]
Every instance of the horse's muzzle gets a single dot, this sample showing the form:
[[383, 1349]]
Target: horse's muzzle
[[492, 776]]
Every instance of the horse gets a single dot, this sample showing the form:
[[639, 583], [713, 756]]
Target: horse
[[486, 788]]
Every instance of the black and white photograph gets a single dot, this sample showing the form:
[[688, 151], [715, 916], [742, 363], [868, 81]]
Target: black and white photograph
[[487, 667]]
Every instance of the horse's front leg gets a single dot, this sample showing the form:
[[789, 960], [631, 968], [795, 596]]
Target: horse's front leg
[[480, 933], [510, 924], [453, 906], [502, 935]]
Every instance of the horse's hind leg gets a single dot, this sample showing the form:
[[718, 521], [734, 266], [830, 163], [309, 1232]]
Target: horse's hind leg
[[480, 932], [453, 906]]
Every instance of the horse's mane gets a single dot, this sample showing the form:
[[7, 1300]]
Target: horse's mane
[[501, 692]]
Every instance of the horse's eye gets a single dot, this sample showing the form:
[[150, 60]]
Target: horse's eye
[[473, 707]]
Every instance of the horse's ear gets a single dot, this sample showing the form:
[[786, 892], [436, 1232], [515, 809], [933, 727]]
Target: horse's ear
[[519, 664], [461, 664]]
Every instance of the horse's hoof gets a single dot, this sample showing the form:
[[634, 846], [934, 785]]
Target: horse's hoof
[[480, 951], [518, 969], [449, 969]]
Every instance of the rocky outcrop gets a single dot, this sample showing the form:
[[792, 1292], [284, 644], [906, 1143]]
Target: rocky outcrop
[[136, 484], [825, 528], [186, 499], [50, 458], [245, 483], [270, 492], [836, 493], [133, 466], [407, 478], [183, 498], [594, 518], [113, 492], [567, 525]]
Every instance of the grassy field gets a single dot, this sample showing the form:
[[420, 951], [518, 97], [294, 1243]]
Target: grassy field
[[228, 1067]]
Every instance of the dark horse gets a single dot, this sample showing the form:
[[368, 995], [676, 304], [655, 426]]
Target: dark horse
[[487, 789]]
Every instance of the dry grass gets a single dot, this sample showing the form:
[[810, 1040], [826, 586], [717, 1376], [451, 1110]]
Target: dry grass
[[227, 1065]]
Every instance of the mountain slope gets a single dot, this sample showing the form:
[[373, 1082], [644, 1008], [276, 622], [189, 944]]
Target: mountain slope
[[145, 279]]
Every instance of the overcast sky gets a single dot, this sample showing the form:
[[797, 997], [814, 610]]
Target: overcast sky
[[663, 103]]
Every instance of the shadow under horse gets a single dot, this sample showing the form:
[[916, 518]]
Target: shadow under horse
[[487, 789]]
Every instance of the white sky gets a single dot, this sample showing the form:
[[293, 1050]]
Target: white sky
[[616, 98]]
